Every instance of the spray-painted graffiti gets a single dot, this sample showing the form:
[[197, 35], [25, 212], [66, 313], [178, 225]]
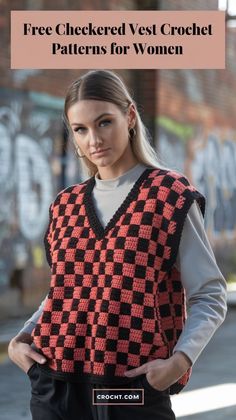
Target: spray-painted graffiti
[[172, 137], [214, 169], [26, 175], [209, 160], [34, 186], [27, 184]]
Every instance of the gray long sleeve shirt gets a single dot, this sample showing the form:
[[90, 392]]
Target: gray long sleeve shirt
[[202, 280]]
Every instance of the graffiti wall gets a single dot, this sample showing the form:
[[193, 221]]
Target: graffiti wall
[[30, 174], [208, 158]]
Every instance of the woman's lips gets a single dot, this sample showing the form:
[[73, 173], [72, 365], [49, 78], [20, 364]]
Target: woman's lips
[[100, 152]]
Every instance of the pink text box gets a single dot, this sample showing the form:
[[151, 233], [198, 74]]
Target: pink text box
[[117, 39]]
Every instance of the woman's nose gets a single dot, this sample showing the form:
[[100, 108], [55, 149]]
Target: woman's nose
[[94, 138]]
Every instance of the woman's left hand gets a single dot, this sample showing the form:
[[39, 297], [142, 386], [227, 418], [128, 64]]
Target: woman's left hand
[[162, 373]]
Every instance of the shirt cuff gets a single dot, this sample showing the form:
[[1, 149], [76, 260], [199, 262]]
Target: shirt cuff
[[27, 328]]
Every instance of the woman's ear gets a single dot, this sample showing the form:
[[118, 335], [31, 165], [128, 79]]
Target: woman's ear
[[131, 116]]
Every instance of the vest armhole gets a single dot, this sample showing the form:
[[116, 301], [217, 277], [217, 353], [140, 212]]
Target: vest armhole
[[179, 216], [48, 237]]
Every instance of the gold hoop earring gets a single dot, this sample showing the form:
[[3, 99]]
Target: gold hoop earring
[[80, 156], [132, 133]]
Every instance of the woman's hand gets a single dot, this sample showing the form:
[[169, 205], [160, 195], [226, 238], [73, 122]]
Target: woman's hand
[[162, 373], [21, 352]]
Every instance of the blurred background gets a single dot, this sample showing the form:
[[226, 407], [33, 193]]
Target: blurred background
[[191, 115]]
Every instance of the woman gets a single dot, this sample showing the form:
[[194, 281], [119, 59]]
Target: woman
[[125, 247]]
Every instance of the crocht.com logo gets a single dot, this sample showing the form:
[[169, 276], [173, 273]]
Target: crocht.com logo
[[118, 396]]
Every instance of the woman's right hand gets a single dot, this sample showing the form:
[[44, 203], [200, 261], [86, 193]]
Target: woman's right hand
[[21, 352]]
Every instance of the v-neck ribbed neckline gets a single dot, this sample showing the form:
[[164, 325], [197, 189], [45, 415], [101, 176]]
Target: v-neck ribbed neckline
[[94, 221]]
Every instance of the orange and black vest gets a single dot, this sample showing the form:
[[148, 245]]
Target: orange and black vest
[[116, 300]]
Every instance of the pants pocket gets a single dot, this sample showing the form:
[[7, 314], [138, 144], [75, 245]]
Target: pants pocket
[[150, 388], [30, 371]]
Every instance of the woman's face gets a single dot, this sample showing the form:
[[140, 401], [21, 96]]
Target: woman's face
[[101, 131]]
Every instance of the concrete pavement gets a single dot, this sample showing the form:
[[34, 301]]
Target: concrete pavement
[[215, 366]]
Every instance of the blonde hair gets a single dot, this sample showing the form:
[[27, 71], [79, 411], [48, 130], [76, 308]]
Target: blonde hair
[[105, 85]]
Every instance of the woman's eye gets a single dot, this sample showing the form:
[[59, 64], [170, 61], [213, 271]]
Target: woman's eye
[[79, 130], [105, 122]]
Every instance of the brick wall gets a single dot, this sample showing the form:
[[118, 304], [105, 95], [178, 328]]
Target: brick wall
[[187, 4], [196, 128]]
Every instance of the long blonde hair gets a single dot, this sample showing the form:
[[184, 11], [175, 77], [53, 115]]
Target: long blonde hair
[[105, 85]]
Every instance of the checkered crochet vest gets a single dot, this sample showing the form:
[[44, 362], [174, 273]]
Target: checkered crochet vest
[[116, 300]]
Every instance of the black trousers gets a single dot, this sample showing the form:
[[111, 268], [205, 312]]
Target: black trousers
[[53, 399]]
